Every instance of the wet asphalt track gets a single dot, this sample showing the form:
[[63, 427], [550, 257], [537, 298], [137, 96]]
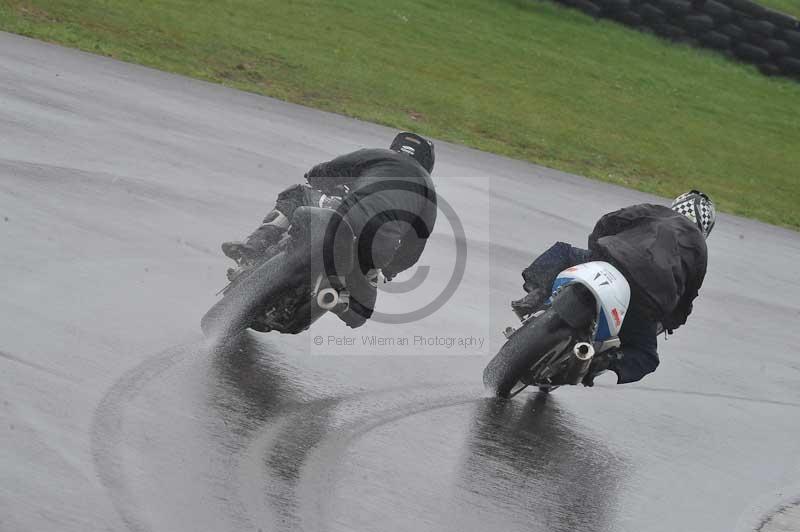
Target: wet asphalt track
[[117, 184]]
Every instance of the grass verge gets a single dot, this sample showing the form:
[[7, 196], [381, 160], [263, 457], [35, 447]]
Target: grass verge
[[523, 78], [790, 7]]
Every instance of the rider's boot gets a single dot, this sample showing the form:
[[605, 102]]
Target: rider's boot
[[238, 250], [530, 303], [268, 234]]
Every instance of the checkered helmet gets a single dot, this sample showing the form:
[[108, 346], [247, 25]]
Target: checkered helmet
[[698, 208]]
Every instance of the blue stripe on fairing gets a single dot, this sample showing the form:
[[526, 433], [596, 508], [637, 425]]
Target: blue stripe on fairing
[[603, 332], [558, 283]]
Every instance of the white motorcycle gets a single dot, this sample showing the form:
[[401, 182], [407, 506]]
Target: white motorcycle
[[555, 345]]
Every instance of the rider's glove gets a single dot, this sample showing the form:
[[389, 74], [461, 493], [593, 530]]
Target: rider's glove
[[317, 178], [588, 379], [318, 170], [330, 202], [601, 363]]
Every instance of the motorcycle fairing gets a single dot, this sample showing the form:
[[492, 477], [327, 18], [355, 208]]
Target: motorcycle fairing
[[610, 288]]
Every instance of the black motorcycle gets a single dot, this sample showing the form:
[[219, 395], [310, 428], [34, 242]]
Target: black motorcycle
[[295, 281]]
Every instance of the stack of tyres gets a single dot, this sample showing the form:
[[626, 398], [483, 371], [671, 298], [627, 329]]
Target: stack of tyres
[[740, 29]]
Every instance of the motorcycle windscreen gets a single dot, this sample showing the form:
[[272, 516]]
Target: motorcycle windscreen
[[611, 291]]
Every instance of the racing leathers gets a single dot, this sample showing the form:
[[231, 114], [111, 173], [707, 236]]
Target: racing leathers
[[663, 256], [388, 199]]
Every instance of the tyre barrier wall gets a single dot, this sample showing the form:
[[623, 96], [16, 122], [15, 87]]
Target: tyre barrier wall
[[740, 29]]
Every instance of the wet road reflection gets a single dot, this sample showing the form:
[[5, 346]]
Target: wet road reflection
[[248, 385], [287, 443], [540, 471], [275, 426]]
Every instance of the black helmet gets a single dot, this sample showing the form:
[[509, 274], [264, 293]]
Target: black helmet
[[417, 147], [699, 208]]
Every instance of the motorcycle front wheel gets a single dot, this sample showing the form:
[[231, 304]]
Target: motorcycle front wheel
[[537, 338], [237, 309]]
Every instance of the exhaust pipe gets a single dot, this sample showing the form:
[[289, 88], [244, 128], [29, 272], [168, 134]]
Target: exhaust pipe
[[330, 300], [582, 353], [327, 298]]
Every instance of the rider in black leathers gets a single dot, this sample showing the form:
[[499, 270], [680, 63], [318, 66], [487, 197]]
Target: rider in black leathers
[[387, 197], [662, 253]]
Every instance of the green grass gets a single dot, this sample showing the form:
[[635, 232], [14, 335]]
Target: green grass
[[790, 7], [527, 79]]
